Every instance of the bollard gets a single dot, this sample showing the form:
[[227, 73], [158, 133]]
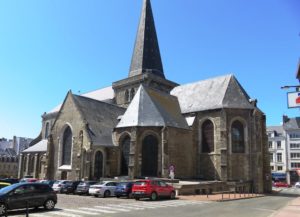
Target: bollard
[[222, 196], [27, 211]]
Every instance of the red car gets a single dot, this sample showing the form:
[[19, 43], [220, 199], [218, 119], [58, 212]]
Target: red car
[[281, 184], [152, 189]]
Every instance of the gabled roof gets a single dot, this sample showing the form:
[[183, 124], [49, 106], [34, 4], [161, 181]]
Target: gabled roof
[[292, 124], [146, 55], [215, 93], [41, 146], [151, 107], [100, 118], [103, 94]]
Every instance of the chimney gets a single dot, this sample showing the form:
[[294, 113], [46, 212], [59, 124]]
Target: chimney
[[285, 119]]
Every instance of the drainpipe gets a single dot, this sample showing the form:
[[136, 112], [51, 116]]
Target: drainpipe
[[162, 151]]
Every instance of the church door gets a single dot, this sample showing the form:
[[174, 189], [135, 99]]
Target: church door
[[98, 167], [149, 156], [125, 156]]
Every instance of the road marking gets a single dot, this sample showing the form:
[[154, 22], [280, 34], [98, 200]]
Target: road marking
[[98, 210], [113, 208], [60, 213], [80, 211], [262, 209], [129, 206]]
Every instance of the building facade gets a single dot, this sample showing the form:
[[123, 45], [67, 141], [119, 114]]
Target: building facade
[[8, 163], [144, 124], [285, 141]]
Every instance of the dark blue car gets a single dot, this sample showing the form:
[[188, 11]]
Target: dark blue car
[[124, 189]]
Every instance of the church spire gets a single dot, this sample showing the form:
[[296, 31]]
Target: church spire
[[146, 55]]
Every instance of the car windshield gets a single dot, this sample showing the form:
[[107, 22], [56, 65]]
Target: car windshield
[[99, 183], [7, 189], [141, 183]]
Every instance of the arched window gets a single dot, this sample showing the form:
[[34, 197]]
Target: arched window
[[237, 137], [125, 155], [208, 144], [132, 93], [127, 99], [47, 130], [67, 147]]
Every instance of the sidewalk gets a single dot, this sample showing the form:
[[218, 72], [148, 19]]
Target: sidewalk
[[220, 197], [292, 209]]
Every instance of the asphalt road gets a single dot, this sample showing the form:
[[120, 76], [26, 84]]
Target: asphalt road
[[87, 206]]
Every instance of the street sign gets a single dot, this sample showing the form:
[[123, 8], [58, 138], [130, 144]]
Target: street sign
[[293, 99]]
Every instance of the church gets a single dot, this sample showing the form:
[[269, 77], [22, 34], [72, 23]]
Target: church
[[142, 125]]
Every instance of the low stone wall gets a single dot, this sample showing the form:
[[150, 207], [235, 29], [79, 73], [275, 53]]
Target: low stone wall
[[211, 187]]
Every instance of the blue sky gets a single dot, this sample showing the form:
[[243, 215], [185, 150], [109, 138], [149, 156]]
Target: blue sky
[[48, 47]]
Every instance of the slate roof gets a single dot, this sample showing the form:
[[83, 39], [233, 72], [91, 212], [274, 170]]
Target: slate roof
[[41, 146], [278, 129], [151, 107], [103, 94], [292, 124], [101, 118], [146, 55], [215, 93]]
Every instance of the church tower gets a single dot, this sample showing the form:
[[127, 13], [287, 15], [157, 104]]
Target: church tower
[[146, 66]]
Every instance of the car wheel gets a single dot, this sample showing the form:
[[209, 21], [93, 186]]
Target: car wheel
[[96, 195], [106, 194], [118, 196], [137, 198], [49, 204], [153, 196], [2, 209], [172, 195]]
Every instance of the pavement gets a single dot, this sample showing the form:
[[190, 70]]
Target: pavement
[[292, 209], [220, 197]]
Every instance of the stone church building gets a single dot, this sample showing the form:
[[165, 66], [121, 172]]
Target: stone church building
[[141, 125]]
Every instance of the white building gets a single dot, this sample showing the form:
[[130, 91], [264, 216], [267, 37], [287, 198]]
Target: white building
[[278, 153], [284, 148], [292, 131]]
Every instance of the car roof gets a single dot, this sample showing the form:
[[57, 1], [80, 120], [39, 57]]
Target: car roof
[[4, 183]]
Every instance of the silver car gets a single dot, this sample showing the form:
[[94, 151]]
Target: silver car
[[103, 189]]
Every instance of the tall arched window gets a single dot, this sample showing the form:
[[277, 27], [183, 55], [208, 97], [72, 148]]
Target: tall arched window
[[47, 130], [237, 137], [132, 93], [125, 155], [127, 99], [208, 144], [67, 147]]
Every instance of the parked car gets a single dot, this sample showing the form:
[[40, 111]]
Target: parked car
[[297, 185], [10, 180], [103, 189], [49, 182], [152, 189], [69, 187], [59, 184], [280, 184], [83, 187], [124, 189], [4, 184], [21, 195], [28, 180]]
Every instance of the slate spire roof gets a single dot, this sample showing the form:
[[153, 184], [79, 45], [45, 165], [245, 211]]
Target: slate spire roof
[[153, 108], [146, 54], [215, 93]]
